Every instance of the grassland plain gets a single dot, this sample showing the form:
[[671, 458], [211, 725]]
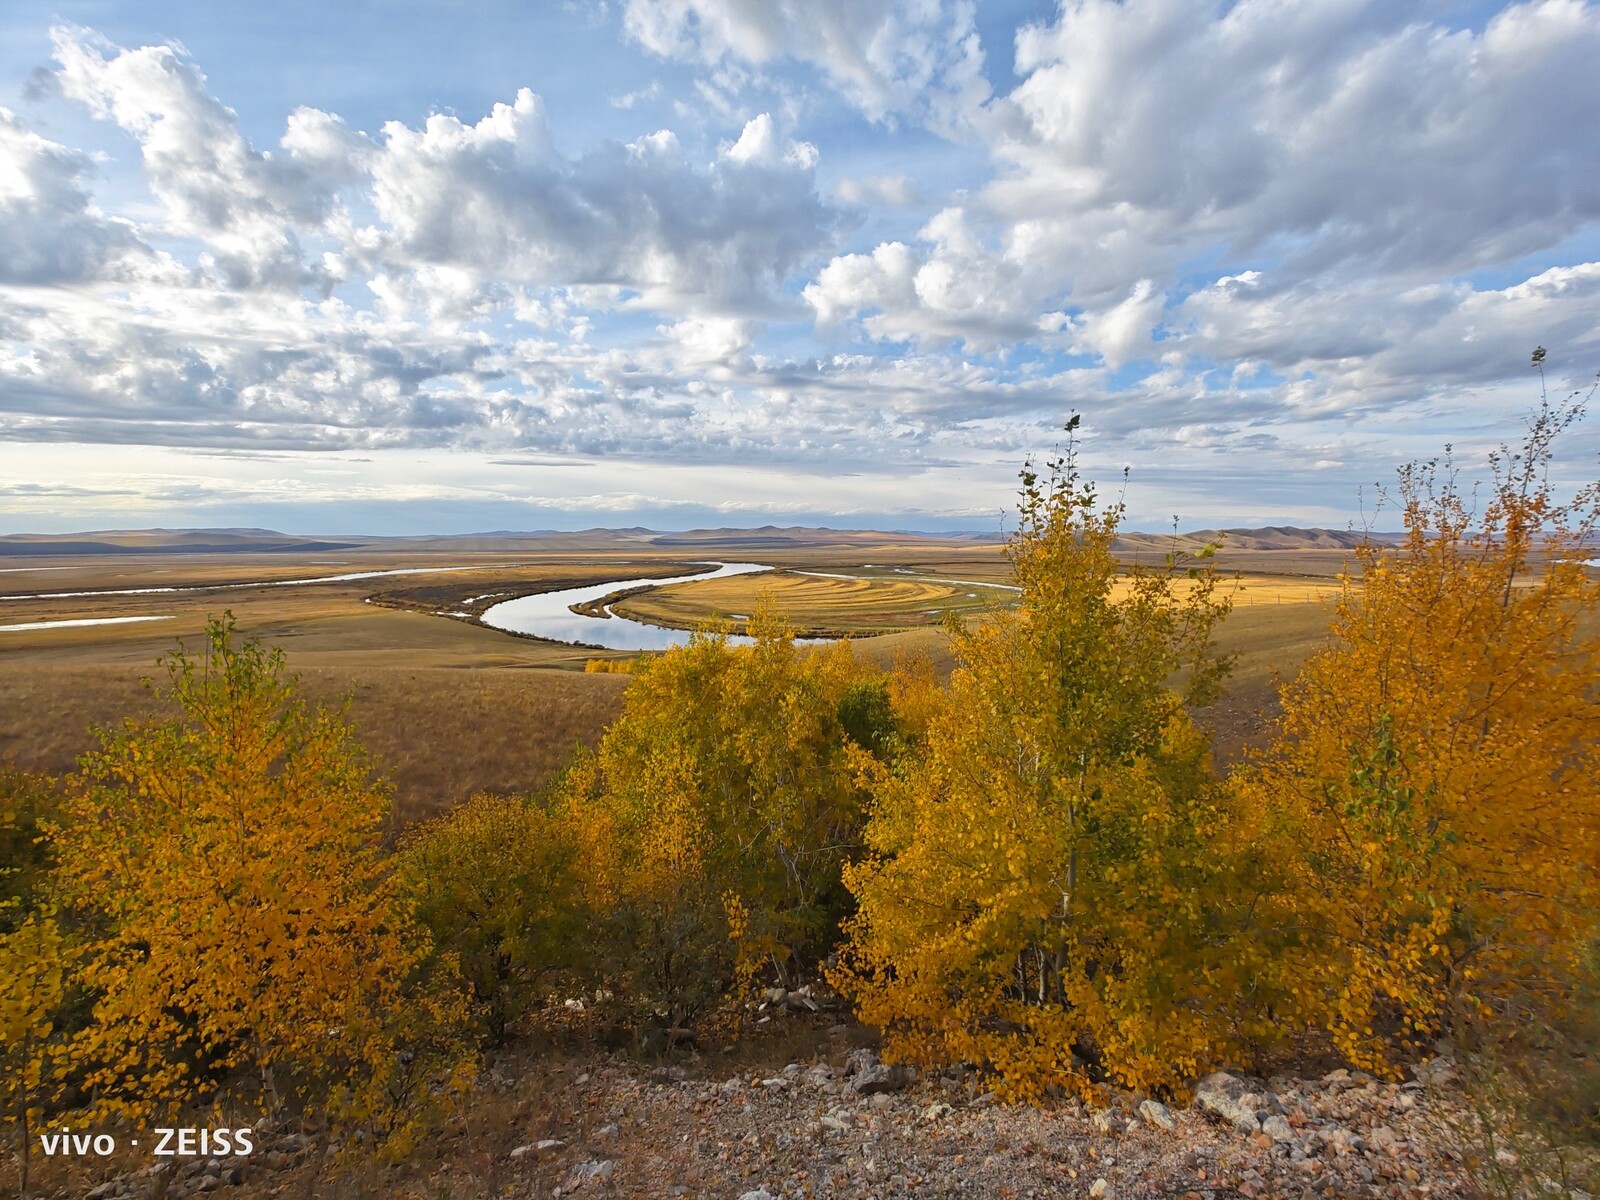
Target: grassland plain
[[449, 706]]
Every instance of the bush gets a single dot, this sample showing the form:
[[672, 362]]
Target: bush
[[1043, 893], [28, 803], [494, 882], [1434, 789], [715, 815]]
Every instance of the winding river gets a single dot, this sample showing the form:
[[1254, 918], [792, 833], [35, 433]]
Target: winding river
[[549, 614]]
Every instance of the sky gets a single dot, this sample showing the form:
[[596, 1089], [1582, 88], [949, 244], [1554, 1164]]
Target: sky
[[384, 266]]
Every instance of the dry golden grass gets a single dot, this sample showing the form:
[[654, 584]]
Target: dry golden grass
[[449, 707], [813, 605], [440, 733]]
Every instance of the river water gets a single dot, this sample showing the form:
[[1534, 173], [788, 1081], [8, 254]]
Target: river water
[[77, 621], [549, 614]]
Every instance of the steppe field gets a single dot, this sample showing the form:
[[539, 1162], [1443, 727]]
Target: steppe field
[[449, 706]]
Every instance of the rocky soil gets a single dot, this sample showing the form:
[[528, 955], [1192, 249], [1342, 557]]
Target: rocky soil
[[859, 1129], [846, 1125]]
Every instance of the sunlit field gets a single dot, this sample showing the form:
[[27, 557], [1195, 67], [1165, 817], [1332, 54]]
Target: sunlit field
[[449, 707]]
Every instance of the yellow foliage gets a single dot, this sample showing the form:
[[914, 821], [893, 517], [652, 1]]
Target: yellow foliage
[[1434, 790], [35, 965], [27, 802], [610, 666], [493, 881], [36, 960], [712, 819], [247, 922], [1041, 894]]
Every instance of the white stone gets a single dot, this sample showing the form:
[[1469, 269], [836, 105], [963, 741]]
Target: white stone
[[1157, 1115]]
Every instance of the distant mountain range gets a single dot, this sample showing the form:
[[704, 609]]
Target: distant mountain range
[[772, 537]]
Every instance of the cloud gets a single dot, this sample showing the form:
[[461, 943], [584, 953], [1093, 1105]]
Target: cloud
[[892, 191], [1252, 235], [495, 197], [1337, 147], [50, 231], [888, 57], [1333, 135], [1121, 334], [711, 339], [1362, 347], [249, 206], [956, 290]]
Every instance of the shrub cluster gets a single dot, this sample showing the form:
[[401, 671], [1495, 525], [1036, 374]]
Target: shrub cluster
[[1033, 866]]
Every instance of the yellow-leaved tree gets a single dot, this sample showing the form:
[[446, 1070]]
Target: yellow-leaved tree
[[36, 959], [1041, 896], [1433, 793], [246, 926], [714, 815]]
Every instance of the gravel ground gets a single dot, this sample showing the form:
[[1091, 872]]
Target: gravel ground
[[845, 1125], [856, 1129]]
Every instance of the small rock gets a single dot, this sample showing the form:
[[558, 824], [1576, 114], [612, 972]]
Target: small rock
[[758, 1194], [540, 1148], [1343, 1139], [1100, 1189], [1107, 1121], [608, 1130], [1229, 1098], [594, 1171], [1278, 1129], [937, 1111], [877, 1078], [1381, 1137], [1157, 1115], [859, 1059], [818, 1076], [1436, 1072]]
